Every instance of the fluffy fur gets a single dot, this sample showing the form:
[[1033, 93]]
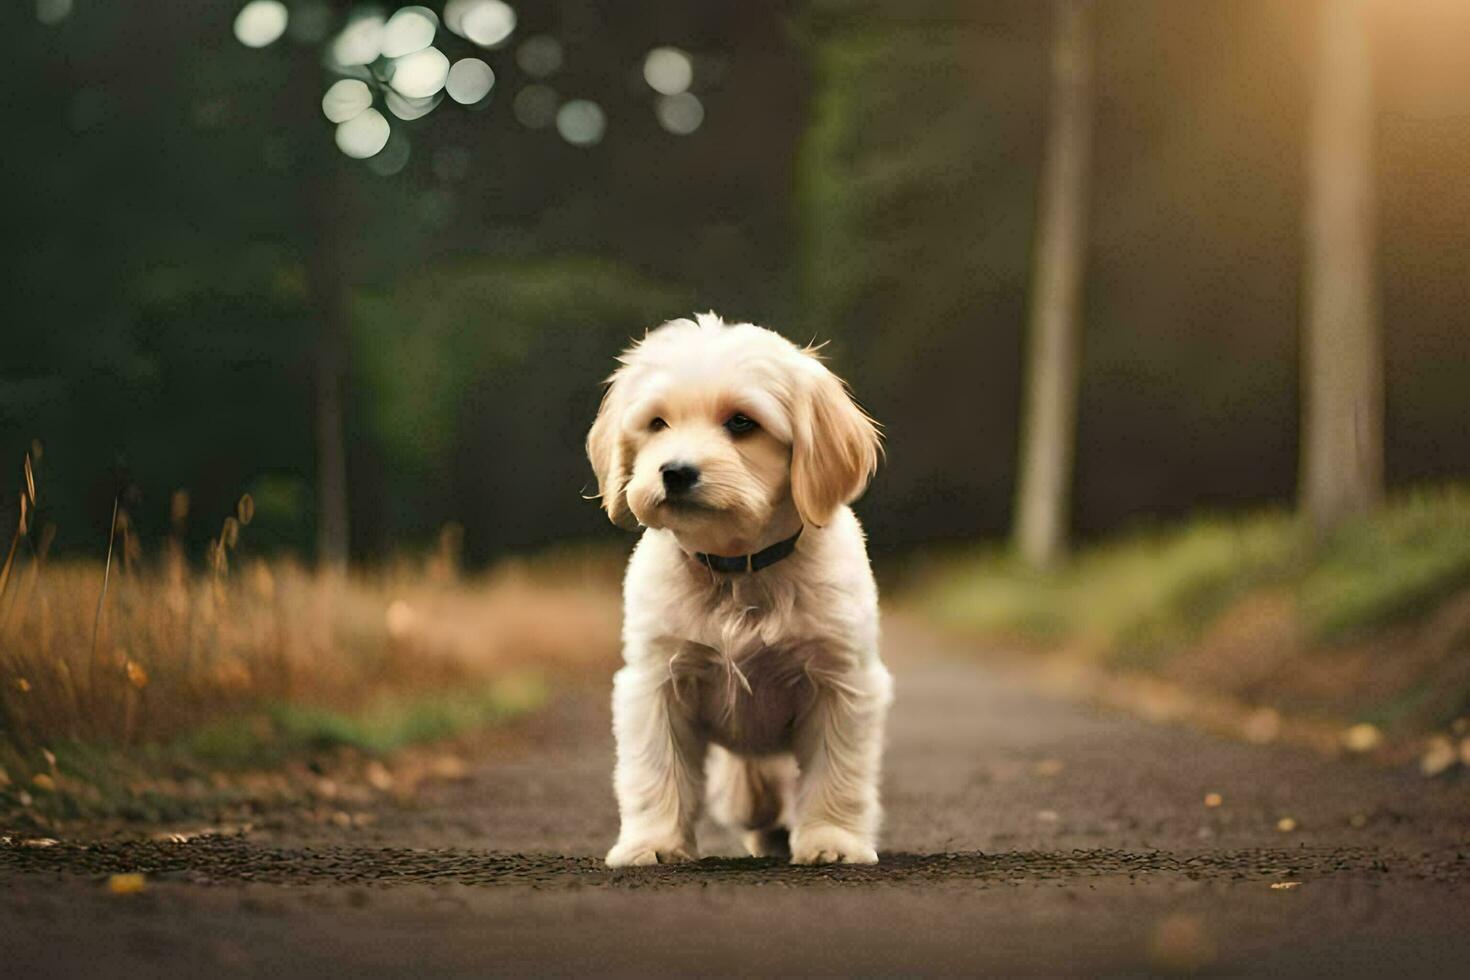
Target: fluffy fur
[[761, 692]]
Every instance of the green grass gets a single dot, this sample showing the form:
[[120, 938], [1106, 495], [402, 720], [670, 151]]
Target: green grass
[[1139, 593], [280, 732], [1392, 568], [1138, 596], [131, 784]]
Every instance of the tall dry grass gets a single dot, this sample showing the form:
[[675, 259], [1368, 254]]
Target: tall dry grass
[[130, 649]]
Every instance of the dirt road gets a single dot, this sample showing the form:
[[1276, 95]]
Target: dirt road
[[1025, 835]]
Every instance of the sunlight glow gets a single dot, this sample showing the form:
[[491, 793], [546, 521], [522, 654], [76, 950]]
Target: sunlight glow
[[363, 135], [421, 74], [668, 71], [260, 22], [346, 99], [581, 122], [470, 80], [410, 29]]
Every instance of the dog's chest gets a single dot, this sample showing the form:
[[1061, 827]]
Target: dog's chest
[[750, 704]]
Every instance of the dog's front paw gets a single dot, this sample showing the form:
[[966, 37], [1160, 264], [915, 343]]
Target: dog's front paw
[[826, 844], [639, 853]]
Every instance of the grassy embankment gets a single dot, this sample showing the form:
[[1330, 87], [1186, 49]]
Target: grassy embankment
[[139, 689], [1370, 625]]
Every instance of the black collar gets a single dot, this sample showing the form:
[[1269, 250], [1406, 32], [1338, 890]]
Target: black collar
[[749, 563]]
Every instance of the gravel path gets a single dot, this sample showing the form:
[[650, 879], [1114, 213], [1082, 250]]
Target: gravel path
[[1025, 835]]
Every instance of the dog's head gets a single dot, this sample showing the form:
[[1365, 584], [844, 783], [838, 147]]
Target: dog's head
[[710, 429]]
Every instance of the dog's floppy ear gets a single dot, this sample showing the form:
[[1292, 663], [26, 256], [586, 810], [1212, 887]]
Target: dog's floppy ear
[[835, 445], [611, 460]]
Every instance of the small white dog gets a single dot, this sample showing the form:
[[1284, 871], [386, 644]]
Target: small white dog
[[750, 629]]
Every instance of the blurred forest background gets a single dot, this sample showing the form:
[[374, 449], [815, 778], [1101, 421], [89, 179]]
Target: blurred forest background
[[285, 250], [864, 171]]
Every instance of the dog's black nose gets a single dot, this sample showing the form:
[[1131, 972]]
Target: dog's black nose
[[678, 477]]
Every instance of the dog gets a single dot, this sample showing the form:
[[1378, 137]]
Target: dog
[[751, 678]]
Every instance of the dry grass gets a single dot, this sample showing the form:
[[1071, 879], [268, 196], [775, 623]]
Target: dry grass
[[132, 652]]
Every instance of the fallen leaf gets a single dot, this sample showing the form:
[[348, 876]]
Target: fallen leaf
[[40, 842], [1213, 799], [1263, 725], [1439, 757], [1362, 737], [378, 776], [449, 767], [130, 883], [1283, 886], [137, 676], [1180, 944], [1286, 825], [42, 781]]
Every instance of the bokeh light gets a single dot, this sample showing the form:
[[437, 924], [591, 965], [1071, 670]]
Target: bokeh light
[[346, 99], [540, 56], [394, 156], [581, 122], [361, 41], [311, 21], [470, 80], [680, 114], [451, 163], [421, 74], [486, 22], [363, 135], [535, 106], [51, 12], [410, 29], [668, 71], [410, 109], [260, 22]]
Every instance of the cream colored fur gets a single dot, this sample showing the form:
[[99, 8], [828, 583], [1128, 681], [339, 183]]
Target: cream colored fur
[[761, 692]]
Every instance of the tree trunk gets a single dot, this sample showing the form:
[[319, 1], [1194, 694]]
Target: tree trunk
[[329, 297], [1342, 356], [1049, 422]]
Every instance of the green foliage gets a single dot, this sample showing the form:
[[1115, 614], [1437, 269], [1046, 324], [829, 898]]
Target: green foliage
[[466, 370], [1392, 567], [291, 730], [1141, 596], [916, 189], [1137, 595]]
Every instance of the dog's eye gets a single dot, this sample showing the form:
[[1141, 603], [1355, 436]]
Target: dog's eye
[[739, 424], [657, 425]]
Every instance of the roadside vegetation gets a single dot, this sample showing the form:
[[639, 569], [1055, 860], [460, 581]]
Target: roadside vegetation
[[1369, 624], [120, 675]]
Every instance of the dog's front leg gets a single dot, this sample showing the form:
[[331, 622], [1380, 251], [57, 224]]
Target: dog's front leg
[[839, 747], [659, 778]]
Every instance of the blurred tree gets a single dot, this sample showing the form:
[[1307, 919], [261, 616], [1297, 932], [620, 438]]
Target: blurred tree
[[917, 183], [1049, 419], [1342, 351], [473, 425]]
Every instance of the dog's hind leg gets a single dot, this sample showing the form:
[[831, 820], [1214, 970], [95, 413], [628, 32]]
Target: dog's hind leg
[[752, 795]]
